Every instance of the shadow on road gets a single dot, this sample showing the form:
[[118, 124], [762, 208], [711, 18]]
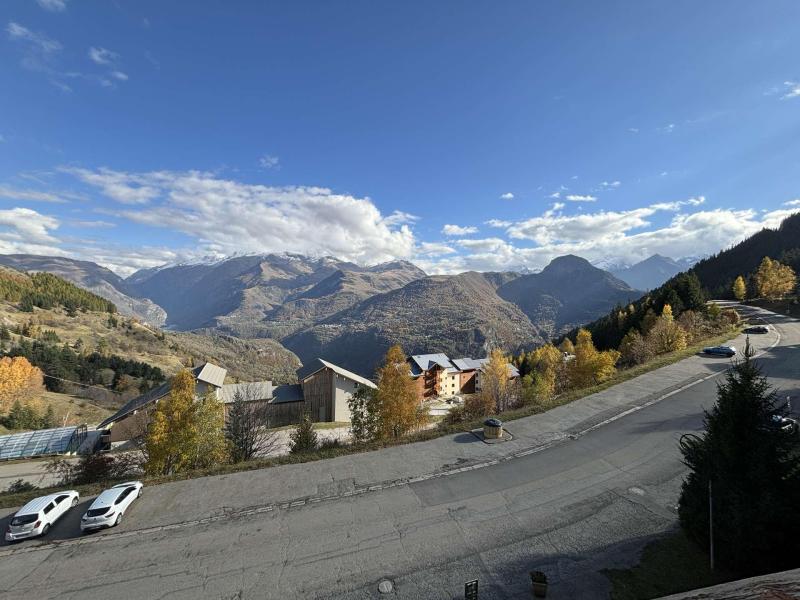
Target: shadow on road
[[465, 438]]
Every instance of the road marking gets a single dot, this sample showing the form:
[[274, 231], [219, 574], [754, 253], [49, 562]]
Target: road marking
[[250, 511]]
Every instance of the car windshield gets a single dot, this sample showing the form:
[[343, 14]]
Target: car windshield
[[96, 512], [24, 519]]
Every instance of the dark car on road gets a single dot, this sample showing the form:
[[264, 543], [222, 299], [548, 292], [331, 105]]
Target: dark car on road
[[757, 329], [720, 351], [782, 423]]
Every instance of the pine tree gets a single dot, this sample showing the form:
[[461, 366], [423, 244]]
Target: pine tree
[[303, 438], [754, 470], [739, 288], [397, 397]]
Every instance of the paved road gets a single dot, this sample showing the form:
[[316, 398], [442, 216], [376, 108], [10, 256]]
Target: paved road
[[570, 507]]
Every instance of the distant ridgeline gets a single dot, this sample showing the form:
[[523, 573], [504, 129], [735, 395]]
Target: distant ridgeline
[[710, 278], [45, 290]]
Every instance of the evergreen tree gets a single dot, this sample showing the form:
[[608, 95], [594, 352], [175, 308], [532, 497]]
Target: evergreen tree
[[303, 438], [365, 415], [246, 427], [754, 469]]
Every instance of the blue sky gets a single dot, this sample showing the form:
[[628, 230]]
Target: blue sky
[[478, 135]]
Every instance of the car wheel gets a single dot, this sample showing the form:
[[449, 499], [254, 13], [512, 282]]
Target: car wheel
[[119, 518], [74, 502], [46, 528], [139, 495]]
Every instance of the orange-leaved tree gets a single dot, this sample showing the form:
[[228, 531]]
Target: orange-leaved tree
[[20, 382]]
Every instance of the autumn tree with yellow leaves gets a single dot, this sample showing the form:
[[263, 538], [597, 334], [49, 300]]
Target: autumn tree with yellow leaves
[[185, 432], [398, 406], [19, 382], [666, 335], [495, 383], [739, 288], [547, 369], [773, 279], [590, 365]]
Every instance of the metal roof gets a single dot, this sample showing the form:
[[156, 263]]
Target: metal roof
[[36, 443], [209, 373], [318, 364], [425, 362], [257, 390], [467, 364], [287, 393]]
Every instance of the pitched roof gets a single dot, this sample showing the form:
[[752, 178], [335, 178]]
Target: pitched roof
[[211, 374], [207, 373], [287, 393], [318, 364], [136, 403], [467, 364], [258, 390], [512, 370], [424, 362]]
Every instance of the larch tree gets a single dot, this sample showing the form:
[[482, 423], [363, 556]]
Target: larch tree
[[739, 288], [590, 366], [19, 382], [397, 397], [666, 335], [773, 279], [547, 363], [185, 432], [495, 381], [634, 349], [567, 346]]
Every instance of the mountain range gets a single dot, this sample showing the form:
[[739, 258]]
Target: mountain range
[[349, 313], [651, 272]]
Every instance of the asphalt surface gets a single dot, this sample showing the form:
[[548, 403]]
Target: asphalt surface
[[573, 508]]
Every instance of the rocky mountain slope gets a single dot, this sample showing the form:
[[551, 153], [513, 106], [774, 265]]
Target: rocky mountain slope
[[459, 314], [651, 272], [265, 296], [568, 292], [94, 278]]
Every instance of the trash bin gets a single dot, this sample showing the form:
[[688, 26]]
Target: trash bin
[[493, 429]]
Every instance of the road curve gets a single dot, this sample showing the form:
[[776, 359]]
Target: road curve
[[570, 505]]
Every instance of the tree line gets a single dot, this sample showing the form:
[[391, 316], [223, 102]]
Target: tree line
[[772, 280]]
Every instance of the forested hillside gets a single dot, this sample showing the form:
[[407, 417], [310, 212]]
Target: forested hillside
[[718, 272], [45, 290]]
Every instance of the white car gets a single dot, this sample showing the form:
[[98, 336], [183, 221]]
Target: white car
[[109, 507], [38, 515]]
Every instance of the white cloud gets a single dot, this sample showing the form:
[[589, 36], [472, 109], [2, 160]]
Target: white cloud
[[434, 249], [624, 235], [102, 56], [53, 5], [38, 41], [610, 184], [399, 217], [669, 128], [92, 224], [555, 195], [633, 129], [792, 202], [119, 75], [225, 216], [269, 162], [30, 195], [24, 230], [458, 230], [498, 223], [581, 198], [792, 90], [507, 196]]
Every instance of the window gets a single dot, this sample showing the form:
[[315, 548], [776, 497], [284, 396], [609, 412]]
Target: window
[[123, 495], [49, 507], [61, 498]]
